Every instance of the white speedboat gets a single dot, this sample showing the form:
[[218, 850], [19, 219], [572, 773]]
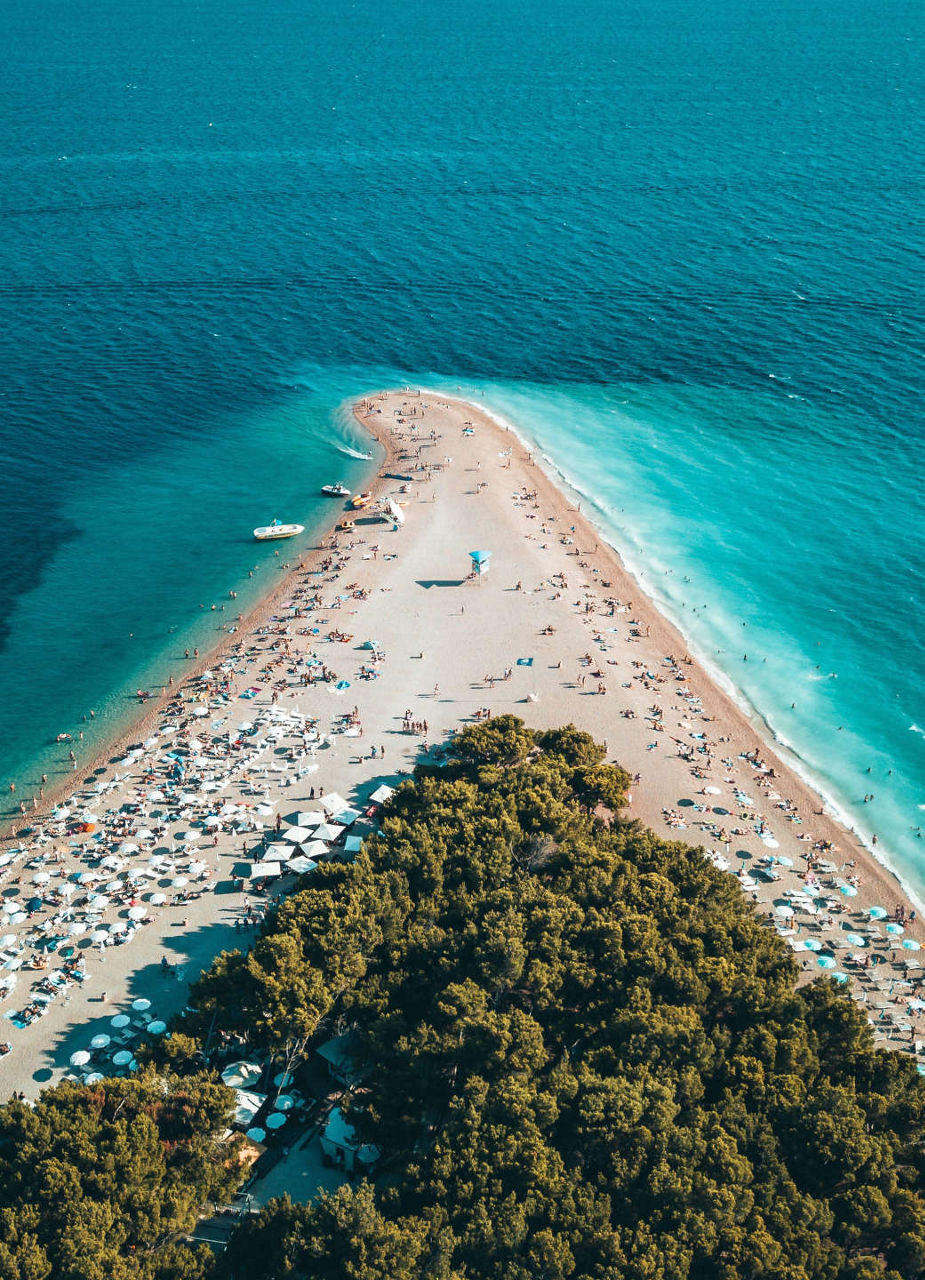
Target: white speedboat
[[335, 490], [266, 532]]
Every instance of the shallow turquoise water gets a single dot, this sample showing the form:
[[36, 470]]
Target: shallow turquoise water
[[678, 244]]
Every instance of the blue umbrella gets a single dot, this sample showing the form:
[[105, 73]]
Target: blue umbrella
[[812, 944], [895, 928], [878, 913], [856, 940], [840, 977], [911, 945], [342, 684], [826, 962]]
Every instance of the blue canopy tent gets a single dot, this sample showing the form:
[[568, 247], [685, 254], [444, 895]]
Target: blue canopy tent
[[481, 562]]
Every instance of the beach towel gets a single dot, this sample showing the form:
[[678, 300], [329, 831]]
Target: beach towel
[[525, 662]]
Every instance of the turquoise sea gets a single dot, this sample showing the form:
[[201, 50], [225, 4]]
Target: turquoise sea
[[678, 244]]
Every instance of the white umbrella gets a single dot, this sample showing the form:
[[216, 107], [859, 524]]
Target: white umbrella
[[41, 877], [276, 1120], [93, 1078], [145, 833], [118, 926], [8, 939], [77, 928], [98, 900], [141, 1005], [157, 1028], [297, 834], [783, 910], [192, 836], [119, 1021], [332, 803], [328, 831], [158, 899], [114, 886], [128, 846], [300, 819], [137, 913], [80, 1058], [214, 821], [100, 935], [100, 1041], [178, 882]]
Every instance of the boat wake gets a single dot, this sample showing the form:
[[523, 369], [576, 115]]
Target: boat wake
[[354, 453]]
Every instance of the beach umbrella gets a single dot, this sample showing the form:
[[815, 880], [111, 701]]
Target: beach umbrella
[[141, 1005], [213, 821], [137, 913], [328, 831], [848, 890], [283, 1078], [713, 791], [34, 904], [342, 686], [100, 1041], [256, 1134], [812, 944], [276, 1120], [157, 1028], [297, 834], [180, 882], [158, 899], [840, 977], [118, 926], [910, 944], [122, 1058], [93, 1078], [8, 939], [41, 877], [285, 1102], [114, 886], [128, 846], [826, 962], [99, 935], [302, 818], [80, 1058], [856, 939], [145, 833], [783, 910], [119, 1021], [894, 928], [878, 913], [98, 900]]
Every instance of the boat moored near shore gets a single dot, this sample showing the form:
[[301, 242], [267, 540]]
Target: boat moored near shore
[[337, 490], [267, 532]]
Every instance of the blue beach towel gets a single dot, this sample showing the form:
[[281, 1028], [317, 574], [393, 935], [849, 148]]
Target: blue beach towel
[[525, 662]]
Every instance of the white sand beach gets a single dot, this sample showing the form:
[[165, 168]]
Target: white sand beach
[[362, 662]]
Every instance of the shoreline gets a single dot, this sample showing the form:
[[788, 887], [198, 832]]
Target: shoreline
[[763, 727], [703, 773], [146, 715]]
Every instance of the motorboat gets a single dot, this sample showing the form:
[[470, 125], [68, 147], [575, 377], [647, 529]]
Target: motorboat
[[335, 490], [267, 532], [361, 500]]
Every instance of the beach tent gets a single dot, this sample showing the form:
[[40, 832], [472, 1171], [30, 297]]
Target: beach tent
[[481, 562]]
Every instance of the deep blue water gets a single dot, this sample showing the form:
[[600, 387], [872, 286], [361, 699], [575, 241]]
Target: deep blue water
[[679, 243]]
